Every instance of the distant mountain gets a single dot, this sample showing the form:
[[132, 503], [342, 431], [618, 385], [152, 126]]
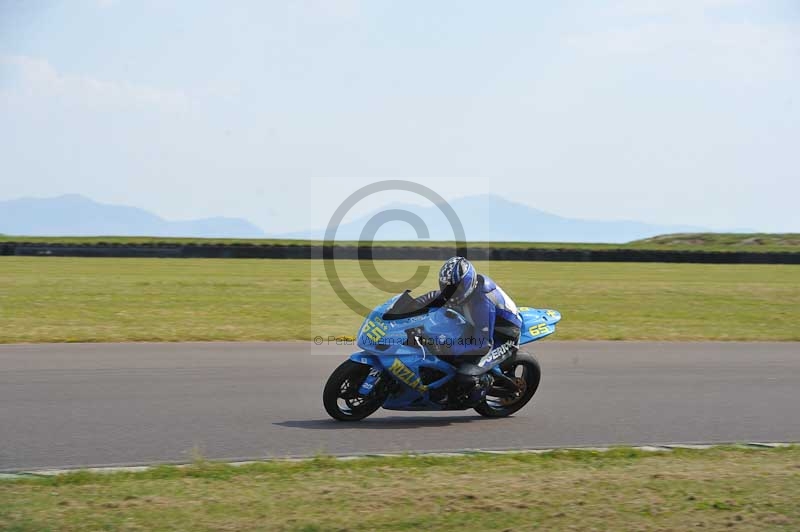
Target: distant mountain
[[492, 218], [75, 215], [485, 218]]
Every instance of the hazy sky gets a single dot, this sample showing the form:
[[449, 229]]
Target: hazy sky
[[684, 112]]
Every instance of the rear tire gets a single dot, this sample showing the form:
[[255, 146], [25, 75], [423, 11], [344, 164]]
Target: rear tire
[[341, 398], [530, 376]]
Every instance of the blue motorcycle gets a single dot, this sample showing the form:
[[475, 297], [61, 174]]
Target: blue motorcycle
[[398, 367]]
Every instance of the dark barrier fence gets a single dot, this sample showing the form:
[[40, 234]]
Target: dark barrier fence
[[253, 251]]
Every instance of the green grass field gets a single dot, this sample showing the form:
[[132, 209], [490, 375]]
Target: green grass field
[[92, 300], [754, 242], [624, 489]]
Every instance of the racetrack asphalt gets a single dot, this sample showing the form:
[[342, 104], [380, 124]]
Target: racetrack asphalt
[[72, 405]]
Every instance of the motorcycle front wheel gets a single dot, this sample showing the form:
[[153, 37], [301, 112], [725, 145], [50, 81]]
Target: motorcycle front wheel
[[524, 370], [341, 398]]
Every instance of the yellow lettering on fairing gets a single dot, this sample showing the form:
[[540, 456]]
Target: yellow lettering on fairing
[[402, 372], [536, 330], [375, 330]]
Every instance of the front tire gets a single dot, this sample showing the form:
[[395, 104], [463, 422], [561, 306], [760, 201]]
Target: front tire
[[341, 398], [525, 371]]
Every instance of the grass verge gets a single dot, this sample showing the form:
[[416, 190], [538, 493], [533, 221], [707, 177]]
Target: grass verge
[[622, 489], [50, 299]]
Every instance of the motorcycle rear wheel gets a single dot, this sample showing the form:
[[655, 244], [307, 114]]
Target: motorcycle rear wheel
[[523, 369], [341, 398]]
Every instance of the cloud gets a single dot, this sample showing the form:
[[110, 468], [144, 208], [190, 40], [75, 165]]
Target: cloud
[[38, 77], [700, 42], [332, 9], [682, 8]]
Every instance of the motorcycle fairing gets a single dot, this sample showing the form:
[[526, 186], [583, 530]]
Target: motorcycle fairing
[[537, 323], [414, 394]]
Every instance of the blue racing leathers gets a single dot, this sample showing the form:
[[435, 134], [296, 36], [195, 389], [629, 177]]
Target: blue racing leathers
[[493, 319]]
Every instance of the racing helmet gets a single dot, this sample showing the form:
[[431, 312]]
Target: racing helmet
[[457, 280]]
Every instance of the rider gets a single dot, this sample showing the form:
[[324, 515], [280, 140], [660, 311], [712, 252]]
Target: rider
[[493, 319]]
